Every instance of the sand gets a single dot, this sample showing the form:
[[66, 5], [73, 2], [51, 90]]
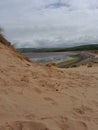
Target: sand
[[36, 97]]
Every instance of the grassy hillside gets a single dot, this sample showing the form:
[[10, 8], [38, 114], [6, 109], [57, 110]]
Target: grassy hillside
[[77, 48]]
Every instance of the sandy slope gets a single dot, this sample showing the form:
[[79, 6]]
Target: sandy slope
[[34, 97]]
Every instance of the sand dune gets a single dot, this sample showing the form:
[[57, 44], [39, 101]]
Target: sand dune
[[35, 97]]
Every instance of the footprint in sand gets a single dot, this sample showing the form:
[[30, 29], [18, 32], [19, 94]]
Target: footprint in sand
[[24, 125], [72, 124], [79, 111], [37, 90], [29, 116], [52, 101], [82, 110]]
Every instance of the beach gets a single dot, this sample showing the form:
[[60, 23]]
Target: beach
[[37, 97]]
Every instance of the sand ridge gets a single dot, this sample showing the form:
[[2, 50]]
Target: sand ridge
[[36, 97]]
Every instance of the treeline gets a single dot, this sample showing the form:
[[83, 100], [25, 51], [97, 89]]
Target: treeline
[[77, 48]]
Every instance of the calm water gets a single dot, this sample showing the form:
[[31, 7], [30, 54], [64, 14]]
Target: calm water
[[45, 58]]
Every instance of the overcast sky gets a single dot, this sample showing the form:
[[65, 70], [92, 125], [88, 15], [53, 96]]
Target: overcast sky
[[50, 23]]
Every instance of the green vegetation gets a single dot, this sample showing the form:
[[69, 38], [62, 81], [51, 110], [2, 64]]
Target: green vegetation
[[70, 63], [89, 65], [77, 48], [52, 64]]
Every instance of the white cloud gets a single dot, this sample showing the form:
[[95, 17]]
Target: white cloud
[[51, 23]]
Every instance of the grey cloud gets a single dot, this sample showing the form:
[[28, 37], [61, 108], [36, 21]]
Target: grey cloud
[[51, 23], [58, 4]]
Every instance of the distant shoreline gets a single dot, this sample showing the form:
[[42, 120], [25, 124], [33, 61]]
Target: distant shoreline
[[75, 48], [62, 59]]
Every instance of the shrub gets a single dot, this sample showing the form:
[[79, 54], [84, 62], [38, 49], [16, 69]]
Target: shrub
[[52, 64], [73, 65], [89, 65]]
